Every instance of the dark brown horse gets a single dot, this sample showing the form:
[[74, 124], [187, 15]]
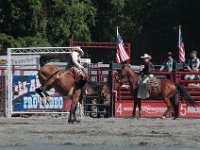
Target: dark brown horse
[[166, 91], [66, 84], [95, 90]]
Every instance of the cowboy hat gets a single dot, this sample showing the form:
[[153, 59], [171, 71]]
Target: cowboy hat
[[77, 49], [146, 56], [169, 53]]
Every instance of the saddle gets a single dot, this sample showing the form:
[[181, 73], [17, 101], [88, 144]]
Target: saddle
[[153, 83], [145, 89]]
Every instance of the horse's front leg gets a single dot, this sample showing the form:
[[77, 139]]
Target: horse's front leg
[[140, 107], [135, 103]]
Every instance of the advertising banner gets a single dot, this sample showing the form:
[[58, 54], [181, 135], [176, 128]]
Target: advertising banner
[[186, 110], [149, 108], [26, 99]]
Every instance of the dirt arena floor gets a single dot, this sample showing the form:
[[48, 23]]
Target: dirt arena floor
[[112, 132]]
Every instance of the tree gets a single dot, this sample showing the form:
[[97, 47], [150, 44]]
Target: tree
[[45, 22]]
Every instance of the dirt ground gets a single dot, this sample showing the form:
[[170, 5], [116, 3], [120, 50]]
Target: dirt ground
[[112, 131]]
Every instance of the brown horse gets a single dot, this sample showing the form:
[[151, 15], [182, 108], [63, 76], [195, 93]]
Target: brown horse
[[65, 84], [166, 91]]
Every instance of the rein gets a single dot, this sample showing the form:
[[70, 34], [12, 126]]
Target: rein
[[51, 77], [131, 76]]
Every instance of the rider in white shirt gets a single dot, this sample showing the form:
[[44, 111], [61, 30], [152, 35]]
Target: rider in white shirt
[[74, 61]]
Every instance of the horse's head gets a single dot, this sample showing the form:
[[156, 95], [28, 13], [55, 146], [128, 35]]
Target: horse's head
[[124, 71], [106, 95], [132, 76]]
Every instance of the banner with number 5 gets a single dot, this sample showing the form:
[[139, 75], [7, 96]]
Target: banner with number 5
[[186, 110]]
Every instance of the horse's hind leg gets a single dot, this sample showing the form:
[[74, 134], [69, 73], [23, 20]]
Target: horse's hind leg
[[40, 92], [168, 103], [75, 100], [44, 95], [175, 106]]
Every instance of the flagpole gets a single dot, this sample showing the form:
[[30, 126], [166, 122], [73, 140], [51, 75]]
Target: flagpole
[[179, 36]]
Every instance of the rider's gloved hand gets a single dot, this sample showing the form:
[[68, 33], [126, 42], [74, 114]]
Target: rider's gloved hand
[[81, 67], [141, 67]]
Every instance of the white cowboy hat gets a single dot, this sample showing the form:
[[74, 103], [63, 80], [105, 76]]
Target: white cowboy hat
[[77, 49], [146, 56]]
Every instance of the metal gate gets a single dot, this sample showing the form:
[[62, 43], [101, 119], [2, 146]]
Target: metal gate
[[93, 104]]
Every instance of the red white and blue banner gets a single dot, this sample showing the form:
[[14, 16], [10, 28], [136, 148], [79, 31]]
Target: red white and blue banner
[[121, 55], [181, 47], [26, 99]]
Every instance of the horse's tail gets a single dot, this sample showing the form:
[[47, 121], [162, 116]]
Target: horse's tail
[[185, 93]]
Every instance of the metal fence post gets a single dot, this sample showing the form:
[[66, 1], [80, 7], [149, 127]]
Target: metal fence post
[[8, 102], [112, 103]]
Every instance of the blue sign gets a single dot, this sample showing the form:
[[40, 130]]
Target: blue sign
[[26, 99]]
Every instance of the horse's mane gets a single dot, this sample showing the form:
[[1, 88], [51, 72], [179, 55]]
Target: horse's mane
[[132, 72], [95, 85]]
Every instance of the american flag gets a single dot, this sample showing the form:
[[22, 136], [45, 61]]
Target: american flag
[[181, 47], [121, 54]]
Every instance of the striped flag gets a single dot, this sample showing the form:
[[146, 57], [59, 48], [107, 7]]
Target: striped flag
[[121, 54], [181, 47]]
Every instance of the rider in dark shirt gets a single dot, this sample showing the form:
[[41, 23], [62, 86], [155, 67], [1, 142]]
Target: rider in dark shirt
[[147, 68], [146, 73]]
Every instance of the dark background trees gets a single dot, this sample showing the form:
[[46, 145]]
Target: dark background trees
[[149, 25]]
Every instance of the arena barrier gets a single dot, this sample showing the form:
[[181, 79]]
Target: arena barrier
[[123, 99], [193, 87], [24, 100]]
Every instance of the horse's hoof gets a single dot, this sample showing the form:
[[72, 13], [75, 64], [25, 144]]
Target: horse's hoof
[[163, 117], [44, 101], [48, 99], [77, 121], [132, 117], [70, 121]]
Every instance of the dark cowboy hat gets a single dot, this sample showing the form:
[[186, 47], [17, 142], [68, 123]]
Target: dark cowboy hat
[[194, 52], [170, 53]]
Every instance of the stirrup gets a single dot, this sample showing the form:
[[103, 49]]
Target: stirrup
[[40, 91]]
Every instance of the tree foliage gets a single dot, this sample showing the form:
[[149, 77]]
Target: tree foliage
[[45, 22], [150, 25]]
